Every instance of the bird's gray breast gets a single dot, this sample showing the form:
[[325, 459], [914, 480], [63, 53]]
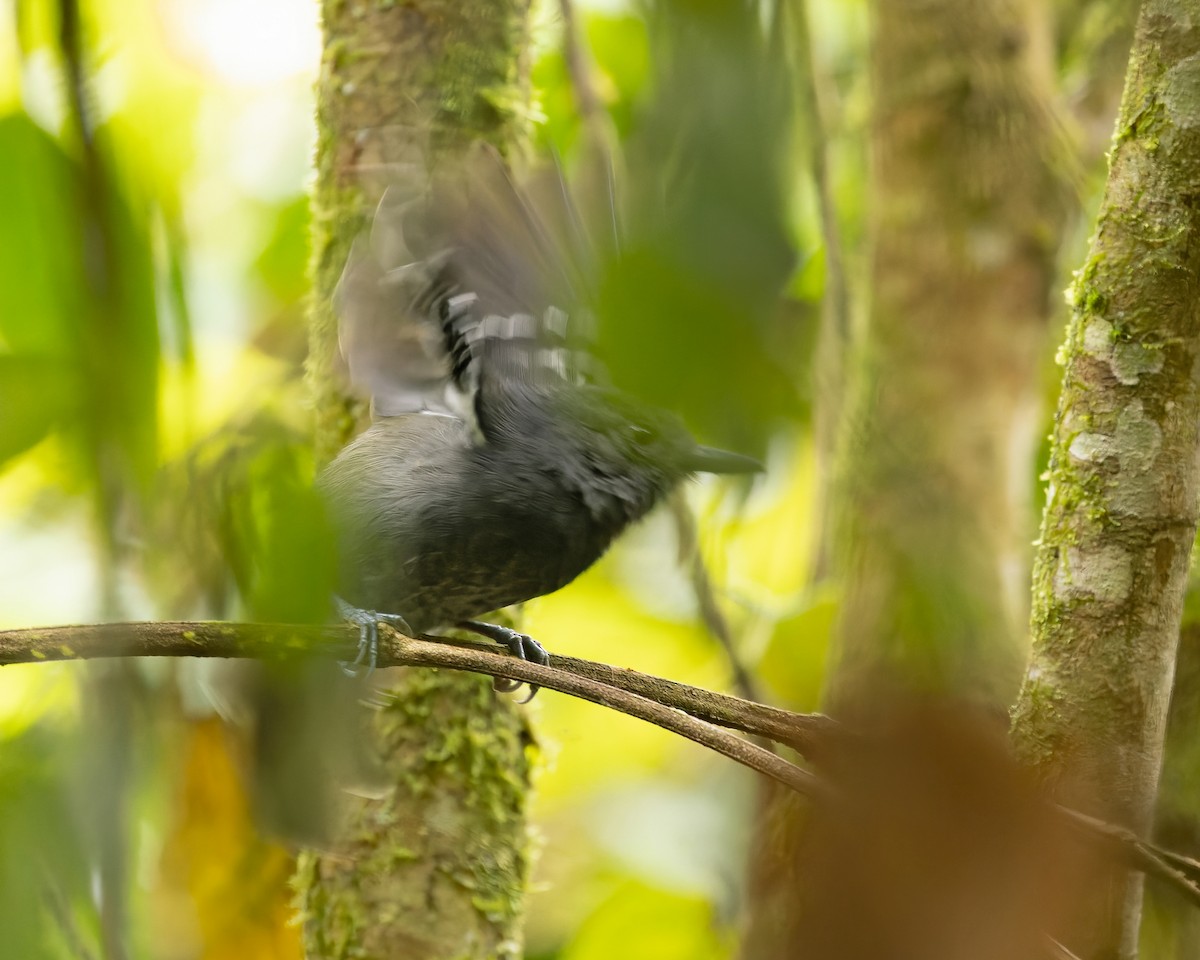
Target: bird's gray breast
[[435, 529]]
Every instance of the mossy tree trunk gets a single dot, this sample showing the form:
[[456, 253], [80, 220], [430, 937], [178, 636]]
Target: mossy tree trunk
[[968, 205], [968, 202], [437, 867], [1121, 518]]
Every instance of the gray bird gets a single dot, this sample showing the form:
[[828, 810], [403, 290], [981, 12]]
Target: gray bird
[[499, 466]]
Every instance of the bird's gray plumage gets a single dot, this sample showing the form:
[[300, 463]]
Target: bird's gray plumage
[[499, 468], [439, 528]]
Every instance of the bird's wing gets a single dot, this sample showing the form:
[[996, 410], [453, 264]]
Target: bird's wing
[[469, 278]]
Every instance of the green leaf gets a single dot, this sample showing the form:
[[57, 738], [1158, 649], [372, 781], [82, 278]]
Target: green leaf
[[688, 315], [34, 395], [621, 50], [795, 659], [640, 922], [240, 510], [283, 262], [40, 845], [40, 267]]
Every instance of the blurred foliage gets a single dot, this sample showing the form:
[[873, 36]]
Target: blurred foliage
[[145, 301], [78, 291], [154, 443], [708, 250], [650, 924], [44, 870], [154, 448], [240, 530], [224, 893]]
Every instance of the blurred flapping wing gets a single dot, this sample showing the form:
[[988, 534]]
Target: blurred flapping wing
[[468, 278]]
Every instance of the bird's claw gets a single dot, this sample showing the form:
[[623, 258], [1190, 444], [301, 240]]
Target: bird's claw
[[520, 645], [368, 636]]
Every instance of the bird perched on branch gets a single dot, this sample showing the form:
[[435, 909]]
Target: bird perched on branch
[[499, 465]]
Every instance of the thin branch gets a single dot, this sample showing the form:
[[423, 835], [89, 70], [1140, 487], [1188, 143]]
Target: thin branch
[[60, 910], [433, 654], [578, 66], [814, 736], [597, 127], [270, 641], [811, 735], [1186, 865], [706, 598], [834, 337], [808, 93], [104, 324], [653, 699], [1055, 950], [1139, 854]]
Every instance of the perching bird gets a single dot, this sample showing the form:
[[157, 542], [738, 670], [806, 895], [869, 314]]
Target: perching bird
[[498, 467]]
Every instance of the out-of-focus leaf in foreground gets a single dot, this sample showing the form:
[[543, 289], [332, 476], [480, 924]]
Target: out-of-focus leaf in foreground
[[77, 304], [224, 887], [41, 265], [39, 269], [44, 874], [687, 311], [34, 396], [241, 530], [640, 922], [242, 533]]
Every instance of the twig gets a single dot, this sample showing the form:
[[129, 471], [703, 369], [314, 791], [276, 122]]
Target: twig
[[810, 734], [272, 641], [60, 910], [702, 586], [1138, 853], [809, 97], [103, 324], [1184, 864], [597, 128], [814, 736], [578, 66], [646, 697], [1055, 950], [834, 338], [433, 654]]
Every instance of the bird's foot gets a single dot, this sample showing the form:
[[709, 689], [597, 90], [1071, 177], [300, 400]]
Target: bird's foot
[[367, 657], [520, 645]]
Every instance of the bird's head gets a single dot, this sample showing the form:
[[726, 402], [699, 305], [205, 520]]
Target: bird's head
[[623, 456]]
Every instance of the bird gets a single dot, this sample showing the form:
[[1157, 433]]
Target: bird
[[500, 463]]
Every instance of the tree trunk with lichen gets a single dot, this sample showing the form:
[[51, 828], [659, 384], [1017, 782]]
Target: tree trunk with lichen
[[1121, 518], [436, 868], [968, 203]]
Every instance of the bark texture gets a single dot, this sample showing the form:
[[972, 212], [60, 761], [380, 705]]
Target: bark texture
[[968, 204], [1121, 518], [430, 73], [968, 199], [436, 868]]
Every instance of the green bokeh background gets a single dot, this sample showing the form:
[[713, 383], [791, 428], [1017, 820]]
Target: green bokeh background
[[154, 427]]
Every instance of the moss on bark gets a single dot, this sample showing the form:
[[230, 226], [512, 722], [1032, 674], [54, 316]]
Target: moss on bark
[[446, 71], [436, 868], [1122, 511]]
